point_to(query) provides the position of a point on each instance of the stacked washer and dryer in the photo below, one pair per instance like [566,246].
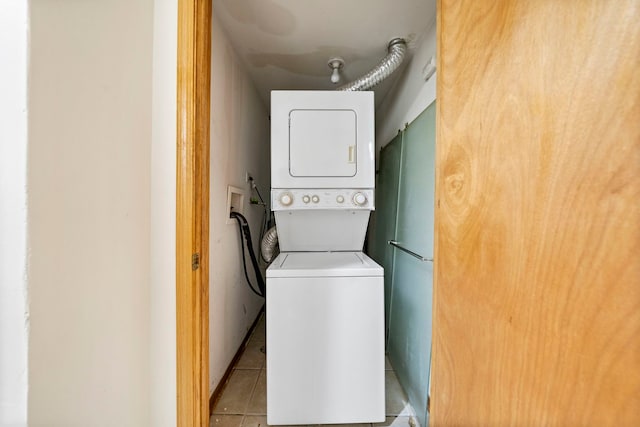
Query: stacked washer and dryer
[325,307]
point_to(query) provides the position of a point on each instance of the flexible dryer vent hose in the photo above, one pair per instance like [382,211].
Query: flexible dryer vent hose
[397,49]
[268,246]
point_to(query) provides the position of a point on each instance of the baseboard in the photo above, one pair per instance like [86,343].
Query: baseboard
[225,378]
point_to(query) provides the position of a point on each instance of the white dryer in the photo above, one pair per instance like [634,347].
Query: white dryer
[325,339]
[322,139]
[322,168]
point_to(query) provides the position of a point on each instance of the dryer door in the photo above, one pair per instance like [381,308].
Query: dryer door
[322,139]
[322,143]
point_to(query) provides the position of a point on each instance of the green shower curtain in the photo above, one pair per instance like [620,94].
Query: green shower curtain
[404,213]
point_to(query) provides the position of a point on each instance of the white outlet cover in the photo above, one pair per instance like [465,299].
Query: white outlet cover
[429,69]
[235,196]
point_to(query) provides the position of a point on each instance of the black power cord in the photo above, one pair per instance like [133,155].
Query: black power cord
[261,202]
[243,226]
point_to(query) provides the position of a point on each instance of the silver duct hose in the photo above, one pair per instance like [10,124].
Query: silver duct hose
[397,48]
[268,245]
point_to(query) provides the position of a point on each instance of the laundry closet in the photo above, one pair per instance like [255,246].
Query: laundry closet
[395,186]
[535,246]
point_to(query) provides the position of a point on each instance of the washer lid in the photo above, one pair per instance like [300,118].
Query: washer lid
[323,264]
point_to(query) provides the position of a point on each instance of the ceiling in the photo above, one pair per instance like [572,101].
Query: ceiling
[286,44]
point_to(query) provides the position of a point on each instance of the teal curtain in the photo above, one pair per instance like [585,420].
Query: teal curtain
[384,220]
[405,205]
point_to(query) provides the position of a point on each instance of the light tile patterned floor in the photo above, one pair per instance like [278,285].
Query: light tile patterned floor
[244,399]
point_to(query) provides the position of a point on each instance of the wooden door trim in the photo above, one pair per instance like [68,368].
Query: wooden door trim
[192,212]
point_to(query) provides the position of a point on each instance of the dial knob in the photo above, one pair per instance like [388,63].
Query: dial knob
[286,199]
[340,199]
[306,199]
[315,199]
[360,199]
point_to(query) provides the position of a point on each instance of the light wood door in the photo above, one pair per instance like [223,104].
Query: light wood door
[537,291]
[192,212]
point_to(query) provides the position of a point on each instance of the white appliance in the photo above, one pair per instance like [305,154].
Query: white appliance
[325,339]
[322,139]
[322,219]
[325,308]
[322,168]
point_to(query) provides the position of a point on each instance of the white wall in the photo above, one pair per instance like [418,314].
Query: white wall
[410,95]
[89,209]
[239,143]
[163,217]
[13,213]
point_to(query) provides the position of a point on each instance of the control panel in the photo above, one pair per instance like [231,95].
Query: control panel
[286,199]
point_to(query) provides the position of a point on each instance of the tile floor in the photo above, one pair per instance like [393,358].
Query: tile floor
[243,402]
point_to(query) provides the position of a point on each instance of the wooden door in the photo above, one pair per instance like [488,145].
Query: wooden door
[537,292]
[192,212]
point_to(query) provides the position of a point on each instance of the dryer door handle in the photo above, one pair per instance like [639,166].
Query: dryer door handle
[352,152]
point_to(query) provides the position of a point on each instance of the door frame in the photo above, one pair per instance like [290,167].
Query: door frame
[192,212]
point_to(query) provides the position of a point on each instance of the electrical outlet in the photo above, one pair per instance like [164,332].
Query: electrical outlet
[429,69]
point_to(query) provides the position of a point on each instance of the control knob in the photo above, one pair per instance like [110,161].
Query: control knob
[340,199]
[306,198]
[286,199]
[359,199]
[315,199]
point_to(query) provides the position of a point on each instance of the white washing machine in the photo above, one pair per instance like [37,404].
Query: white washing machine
[325,339]
[325,308]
